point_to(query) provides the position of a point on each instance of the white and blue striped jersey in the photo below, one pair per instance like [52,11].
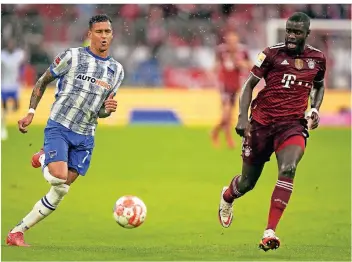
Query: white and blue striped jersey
[84,83]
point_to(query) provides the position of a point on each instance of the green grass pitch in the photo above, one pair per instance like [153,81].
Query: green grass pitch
[179,176]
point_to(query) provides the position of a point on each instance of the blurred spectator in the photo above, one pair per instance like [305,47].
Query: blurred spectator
[182,35]
[149,72]
[12,61]
[155,31]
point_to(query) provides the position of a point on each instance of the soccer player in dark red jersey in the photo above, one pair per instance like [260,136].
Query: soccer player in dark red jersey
[278,123]
[231,59]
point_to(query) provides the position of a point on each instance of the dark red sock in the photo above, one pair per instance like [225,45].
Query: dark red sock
[232,192]
[279,200]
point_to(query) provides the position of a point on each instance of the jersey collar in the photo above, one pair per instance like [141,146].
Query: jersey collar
[96,56]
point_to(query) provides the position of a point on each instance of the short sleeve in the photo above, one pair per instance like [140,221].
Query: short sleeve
[321,73]
[61,64]
[262,64]
[120,78]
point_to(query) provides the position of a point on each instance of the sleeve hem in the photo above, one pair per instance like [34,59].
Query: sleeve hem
[52,72]
[255,75]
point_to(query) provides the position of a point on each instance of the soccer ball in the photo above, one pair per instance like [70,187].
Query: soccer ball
[130,211]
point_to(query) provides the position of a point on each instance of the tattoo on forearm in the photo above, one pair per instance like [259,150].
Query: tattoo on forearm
[40,88]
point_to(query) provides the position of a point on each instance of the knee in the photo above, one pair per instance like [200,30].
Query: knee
[288,170]
[61,190]
[225,120]
[56,175]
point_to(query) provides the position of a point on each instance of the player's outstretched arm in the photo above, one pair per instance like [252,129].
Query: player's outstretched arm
[37,94]
[40,88]
[245,101]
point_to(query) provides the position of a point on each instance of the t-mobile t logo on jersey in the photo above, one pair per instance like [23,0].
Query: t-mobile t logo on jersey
[288,79]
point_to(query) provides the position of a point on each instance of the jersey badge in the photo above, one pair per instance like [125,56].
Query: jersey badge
[260,59]
[299,63]
[311,63]
[57,60]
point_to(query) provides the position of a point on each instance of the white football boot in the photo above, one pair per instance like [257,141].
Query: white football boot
[225,211]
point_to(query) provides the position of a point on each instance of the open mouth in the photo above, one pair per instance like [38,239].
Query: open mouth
[291,45]
[104,42]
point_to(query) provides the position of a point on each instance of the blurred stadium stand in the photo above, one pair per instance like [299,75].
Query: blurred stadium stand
[167,45]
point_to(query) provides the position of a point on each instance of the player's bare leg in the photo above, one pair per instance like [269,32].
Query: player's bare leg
[220,126]
[288,158]
[215,133]
[239,186]
[60,178]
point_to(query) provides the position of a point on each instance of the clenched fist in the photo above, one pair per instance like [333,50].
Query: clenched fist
[110,104]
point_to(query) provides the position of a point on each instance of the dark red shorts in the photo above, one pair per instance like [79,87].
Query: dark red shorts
[266,139]
[228,96]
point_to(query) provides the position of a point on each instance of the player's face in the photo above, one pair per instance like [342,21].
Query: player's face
[296,34]
[232,40]
[100,36]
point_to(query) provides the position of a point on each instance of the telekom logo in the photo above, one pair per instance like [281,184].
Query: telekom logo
[288,79]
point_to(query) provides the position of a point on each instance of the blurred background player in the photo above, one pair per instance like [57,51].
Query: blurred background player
[292,71]
[12,58]
[231,60]
[88,81]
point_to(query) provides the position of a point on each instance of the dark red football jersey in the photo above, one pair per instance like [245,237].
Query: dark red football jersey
[288,82]
[230,73]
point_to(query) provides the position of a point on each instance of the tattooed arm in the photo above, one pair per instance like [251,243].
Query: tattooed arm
[40,88]
[37,94]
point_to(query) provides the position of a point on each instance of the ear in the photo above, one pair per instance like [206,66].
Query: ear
[308,32]
[89,34]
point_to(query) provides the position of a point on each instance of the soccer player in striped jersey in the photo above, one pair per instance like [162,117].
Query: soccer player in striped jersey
[293,71]
[88,79]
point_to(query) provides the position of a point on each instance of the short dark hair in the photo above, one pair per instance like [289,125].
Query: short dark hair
[300,17]
[98,19]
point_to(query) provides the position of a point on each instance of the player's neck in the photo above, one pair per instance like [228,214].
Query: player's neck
[301,50]
[104,54]
[298,52]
